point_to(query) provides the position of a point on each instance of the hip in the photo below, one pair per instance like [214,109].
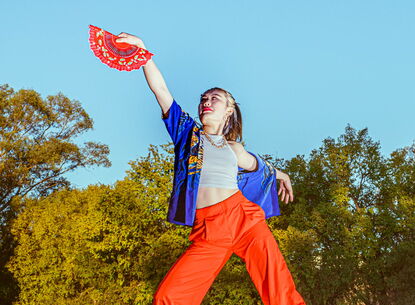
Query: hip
[226,221]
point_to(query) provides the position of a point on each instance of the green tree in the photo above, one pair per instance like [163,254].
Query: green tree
[109,245]
[36,149]
[348,238]
[352,223]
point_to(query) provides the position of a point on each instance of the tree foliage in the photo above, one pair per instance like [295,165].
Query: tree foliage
[348,238]
[349,235]
[36,150]
[36,143]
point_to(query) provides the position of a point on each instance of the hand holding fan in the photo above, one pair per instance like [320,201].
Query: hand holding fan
[118,55]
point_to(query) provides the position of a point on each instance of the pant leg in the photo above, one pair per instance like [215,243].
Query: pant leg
[191,276]
[266,267]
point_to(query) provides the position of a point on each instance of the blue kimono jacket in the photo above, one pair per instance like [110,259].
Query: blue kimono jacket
[258,186]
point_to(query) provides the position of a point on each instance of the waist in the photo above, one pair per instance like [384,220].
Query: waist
[207,196]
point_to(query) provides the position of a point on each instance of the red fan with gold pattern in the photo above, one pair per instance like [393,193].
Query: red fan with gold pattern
[118,55]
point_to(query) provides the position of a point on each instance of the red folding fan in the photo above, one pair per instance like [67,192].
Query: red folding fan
[118,55]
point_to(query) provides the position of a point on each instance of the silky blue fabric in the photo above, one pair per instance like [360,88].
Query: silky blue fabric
[258,186]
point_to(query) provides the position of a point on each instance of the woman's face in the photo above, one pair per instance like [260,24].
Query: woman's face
[212,108]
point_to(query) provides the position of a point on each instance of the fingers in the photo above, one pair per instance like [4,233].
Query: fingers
[290,194]
[121,36]
[285,197]
[282,191]
[286,191]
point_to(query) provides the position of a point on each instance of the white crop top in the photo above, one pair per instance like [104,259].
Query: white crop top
[220,165]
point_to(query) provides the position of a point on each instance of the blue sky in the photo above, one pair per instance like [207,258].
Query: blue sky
[301,70]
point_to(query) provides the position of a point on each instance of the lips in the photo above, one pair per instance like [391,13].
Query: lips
[207,109]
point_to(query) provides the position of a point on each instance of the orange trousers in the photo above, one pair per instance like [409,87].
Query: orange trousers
[234,225]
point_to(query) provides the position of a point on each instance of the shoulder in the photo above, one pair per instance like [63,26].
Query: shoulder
[245,160]
[236,145]
[238,148]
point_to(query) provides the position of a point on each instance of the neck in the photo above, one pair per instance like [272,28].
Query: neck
[212,130]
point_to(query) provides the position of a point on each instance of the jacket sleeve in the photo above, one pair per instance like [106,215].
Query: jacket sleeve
[177,121]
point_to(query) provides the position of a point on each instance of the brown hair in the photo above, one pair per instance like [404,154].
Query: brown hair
[233,126]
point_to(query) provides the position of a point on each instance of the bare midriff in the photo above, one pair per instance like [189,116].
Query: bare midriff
[207,196]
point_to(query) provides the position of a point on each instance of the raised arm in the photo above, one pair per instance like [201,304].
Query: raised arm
[152,74]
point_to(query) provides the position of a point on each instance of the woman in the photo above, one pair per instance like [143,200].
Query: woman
[225,193]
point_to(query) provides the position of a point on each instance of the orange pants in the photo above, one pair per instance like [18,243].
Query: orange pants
[234,225]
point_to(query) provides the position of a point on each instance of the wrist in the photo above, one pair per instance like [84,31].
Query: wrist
[281,176]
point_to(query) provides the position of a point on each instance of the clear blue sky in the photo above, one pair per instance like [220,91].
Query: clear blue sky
[301,70]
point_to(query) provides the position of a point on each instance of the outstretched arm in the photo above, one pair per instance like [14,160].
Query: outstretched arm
[152,74]
[249,162]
